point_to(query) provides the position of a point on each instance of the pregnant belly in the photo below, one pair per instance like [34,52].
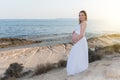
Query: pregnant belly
[74,35]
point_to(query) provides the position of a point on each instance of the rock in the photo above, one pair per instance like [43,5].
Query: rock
[108,68]
[99,70]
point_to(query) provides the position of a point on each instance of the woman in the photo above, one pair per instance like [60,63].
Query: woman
[78,57]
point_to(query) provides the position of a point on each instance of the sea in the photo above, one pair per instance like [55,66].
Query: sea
[21,28]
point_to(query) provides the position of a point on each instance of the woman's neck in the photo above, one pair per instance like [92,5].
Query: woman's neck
[83,21]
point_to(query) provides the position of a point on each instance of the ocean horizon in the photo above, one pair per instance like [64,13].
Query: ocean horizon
[20,28]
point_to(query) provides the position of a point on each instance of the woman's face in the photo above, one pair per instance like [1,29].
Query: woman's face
[82,17]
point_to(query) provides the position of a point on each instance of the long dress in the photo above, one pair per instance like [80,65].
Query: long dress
[78,56]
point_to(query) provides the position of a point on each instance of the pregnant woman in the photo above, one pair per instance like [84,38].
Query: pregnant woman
[78,57]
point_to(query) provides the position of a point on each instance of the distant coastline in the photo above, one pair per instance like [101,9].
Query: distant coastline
[12,43]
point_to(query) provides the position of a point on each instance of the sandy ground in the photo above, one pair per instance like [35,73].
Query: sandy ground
[105,69]
[32,55]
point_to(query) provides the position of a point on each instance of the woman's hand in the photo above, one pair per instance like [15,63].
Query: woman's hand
[73,32]
[74,37]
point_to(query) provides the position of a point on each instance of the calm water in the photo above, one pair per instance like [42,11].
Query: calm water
[36,27]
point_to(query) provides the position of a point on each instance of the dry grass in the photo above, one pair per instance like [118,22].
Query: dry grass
[93,56]
[15,70]
[109,50]
[43,68]
[10,78]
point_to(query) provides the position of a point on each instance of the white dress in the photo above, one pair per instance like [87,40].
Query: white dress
[78,56]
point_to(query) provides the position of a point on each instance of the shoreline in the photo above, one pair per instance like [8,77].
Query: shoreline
[16,43]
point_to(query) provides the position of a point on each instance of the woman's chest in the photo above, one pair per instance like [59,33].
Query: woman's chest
[77,29]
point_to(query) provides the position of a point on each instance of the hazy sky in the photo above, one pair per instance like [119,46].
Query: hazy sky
[42,9]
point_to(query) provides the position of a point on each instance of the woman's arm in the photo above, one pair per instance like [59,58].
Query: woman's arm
[82,32]
[73,36]
[73,32]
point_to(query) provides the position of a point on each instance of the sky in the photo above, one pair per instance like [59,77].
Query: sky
[50,9]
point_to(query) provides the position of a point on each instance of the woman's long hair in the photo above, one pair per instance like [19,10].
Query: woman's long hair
[84,12]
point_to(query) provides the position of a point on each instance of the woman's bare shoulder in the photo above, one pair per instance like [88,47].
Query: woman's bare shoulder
[84,24]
